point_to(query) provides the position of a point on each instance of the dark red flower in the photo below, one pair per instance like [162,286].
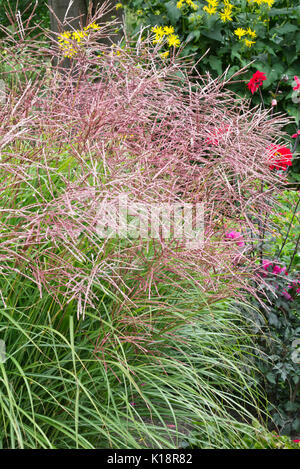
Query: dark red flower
[256,81]
[279,157]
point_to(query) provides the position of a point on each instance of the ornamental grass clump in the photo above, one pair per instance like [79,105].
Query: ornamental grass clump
[122,122]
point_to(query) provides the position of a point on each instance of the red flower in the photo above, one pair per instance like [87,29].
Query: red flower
[297,134]
[297,87]
[280,157]
[256,81]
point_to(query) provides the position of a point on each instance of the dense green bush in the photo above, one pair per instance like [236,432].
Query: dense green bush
[277,323]
[276,315]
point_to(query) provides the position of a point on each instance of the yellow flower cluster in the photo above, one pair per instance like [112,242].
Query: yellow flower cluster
[270,3]
[211,8]
[168,31]
[241,32]
[226,14]
[189,3]
[118,6]
[69,40]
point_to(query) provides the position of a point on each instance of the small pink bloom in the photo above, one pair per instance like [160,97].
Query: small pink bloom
[297,134]
[236,235]
[274,102]
[278,270]
[296,441]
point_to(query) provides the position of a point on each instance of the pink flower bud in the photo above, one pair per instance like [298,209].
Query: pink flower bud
[274,102]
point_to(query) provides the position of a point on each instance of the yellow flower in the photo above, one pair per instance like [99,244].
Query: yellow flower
[164,55]
[173,40]
[94,26]
[65,34]
[270,3]
[240,32]
[192,4]
[259,2]
[228,7]
[168,30]
[159,34]
[159,31]
[251,33]
[213,3]
[225,16]
[78,35]
[65,43]
[210,10]
[249,43]
[118,6]
[180,4]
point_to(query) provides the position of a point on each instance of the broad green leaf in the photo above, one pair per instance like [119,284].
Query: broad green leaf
[174,13]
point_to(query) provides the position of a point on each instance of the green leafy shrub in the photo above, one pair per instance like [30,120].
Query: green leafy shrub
[276,315]
[277,322]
